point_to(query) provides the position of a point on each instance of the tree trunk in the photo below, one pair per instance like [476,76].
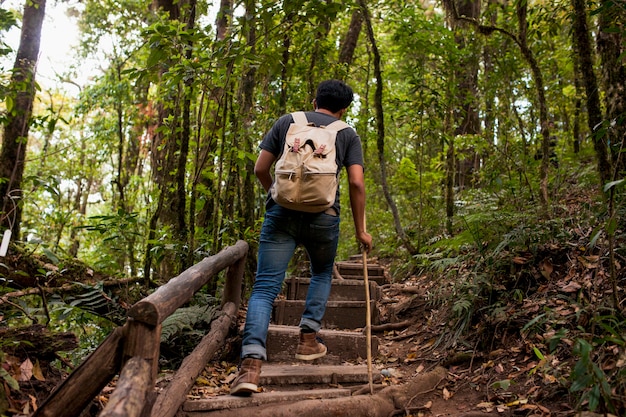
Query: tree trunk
[15,138]
[521,8]
[246,93]
[170,165]
[610,46]
[380,128]
[350,41]
[582,43]
[224,15]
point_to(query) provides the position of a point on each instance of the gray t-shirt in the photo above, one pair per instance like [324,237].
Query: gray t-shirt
[347,145]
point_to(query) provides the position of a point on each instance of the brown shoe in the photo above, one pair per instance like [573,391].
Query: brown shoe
[248,379]
[310,347]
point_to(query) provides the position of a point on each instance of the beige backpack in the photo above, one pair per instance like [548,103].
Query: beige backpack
[305,175]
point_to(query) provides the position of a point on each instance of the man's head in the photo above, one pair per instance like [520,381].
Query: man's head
[333,95]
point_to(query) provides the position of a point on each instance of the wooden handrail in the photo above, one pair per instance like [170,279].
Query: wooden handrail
[133,349]
[166,299]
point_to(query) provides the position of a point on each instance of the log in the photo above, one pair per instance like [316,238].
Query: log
[66,288]
[166,299]
[36,340]
[382,404]
[380,328]
[171,398]
[73,395]
[130,393]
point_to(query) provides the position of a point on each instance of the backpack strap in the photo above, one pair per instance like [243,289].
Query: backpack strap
[299,118]
[337,125]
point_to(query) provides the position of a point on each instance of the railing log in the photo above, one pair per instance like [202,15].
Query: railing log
[130,393]
[92,375]
[171,398]
[166,299]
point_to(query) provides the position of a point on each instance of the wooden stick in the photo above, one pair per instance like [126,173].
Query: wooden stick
[368,320]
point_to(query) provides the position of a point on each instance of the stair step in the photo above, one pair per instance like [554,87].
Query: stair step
[354,270]
[342,345]
[341,290]
[338,315]
[305,373]
[228,402]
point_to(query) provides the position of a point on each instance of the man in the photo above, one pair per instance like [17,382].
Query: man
[283,229]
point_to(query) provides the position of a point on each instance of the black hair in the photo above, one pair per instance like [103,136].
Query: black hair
[334,95]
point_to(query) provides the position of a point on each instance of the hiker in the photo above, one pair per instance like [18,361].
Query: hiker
[285,228]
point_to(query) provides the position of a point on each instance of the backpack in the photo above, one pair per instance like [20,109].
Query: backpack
[305,174]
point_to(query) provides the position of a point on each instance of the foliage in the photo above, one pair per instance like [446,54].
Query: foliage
[183,329]
[589,379]
[180,323]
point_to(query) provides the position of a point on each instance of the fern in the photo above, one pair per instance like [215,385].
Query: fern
[185,319]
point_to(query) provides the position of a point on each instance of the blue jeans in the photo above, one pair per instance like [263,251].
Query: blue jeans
[283,230]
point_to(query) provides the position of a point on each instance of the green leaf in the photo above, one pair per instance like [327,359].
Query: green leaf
[53,258]
[504,384]
[612,184]
[9,379]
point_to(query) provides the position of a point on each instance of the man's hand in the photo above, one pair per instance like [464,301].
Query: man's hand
[365,241]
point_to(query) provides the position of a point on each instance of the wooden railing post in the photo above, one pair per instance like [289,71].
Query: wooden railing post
[234,283]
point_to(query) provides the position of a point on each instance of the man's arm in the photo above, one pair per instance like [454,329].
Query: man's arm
[262,168]
[356,181]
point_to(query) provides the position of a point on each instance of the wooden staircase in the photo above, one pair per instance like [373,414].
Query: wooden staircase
[342,371]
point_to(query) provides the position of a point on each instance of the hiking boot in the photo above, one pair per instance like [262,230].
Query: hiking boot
[248,379]
[310,347]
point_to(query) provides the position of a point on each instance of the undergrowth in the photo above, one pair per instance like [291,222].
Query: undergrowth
[543,282]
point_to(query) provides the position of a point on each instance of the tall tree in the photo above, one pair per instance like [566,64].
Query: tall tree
[380,129]
[20,107]
[171,140]
[610,40]
[465,110]
[582,43]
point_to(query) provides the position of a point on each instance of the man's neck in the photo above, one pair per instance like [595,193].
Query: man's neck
[336,115]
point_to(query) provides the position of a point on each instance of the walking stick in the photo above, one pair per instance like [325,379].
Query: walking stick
[368,320]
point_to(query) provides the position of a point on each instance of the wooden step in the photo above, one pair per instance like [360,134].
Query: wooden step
[341,290]
[307,373]
[342,345]
[321,382]
[338,315]
[354,270]
[212,406]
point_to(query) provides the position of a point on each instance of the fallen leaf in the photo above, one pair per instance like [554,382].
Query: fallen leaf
[487,406]
[37,371]
[590,262]
[519,260]
[571,287]
[33,402]
[26,371]
[546,268]
[446,394]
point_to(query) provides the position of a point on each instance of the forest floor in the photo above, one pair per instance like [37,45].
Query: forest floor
[505,355]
